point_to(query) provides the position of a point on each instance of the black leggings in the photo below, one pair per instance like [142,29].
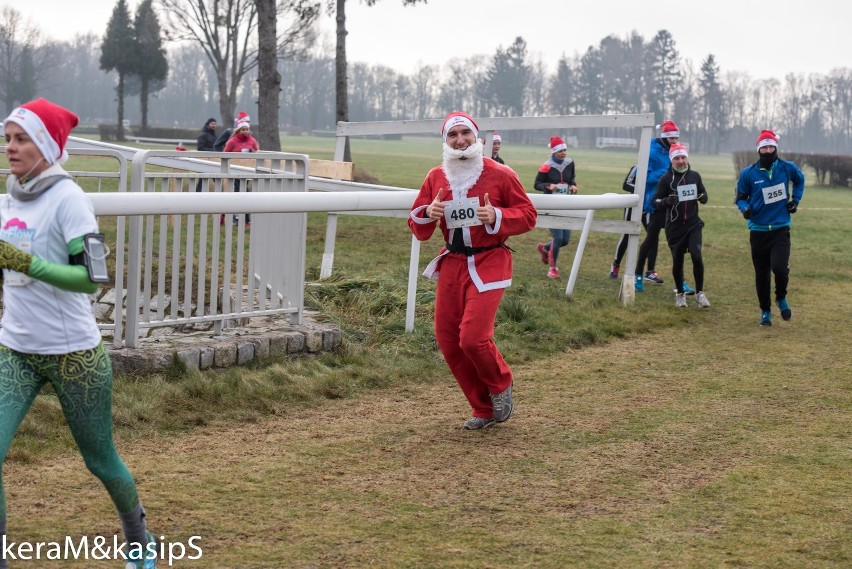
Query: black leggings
[770,254]
[621,247]
[654,223]
[680,243]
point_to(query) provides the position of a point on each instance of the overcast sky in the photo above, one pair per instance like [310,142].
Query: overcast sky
[765,38]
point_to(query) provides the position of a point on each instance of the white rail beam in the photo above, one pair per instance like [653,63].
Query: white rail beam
[163,203]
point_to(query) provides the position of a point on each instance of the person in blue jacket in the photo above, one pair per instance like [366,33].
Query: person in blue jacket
[653,219]
[765,200]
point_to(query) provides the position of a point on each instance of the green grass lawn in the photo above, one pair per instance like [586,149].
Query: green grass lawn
[646,436]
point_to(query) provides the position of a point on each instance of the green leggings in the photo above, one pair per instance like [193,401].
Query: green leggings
[83,382]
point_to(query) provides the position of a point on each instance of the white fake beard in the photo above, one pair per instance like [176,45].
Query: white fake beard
[463,167]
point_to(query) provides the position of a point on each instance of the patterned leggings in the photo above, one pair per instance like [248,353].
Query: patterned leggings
[83,382]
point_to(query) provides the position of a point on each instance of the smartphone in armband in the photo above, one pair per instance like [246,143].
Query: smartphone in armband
[95,252]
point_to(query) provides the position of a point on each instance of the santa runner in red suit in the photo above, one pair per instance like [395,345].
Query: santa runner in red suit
[477,204]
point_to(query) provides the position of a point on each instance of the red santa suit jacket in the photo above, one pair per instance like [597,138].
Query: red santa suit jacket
[491,269]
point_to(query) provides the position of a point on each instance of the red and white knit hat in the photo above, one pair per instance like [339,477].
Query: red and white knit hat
[767,138]
[678,150]
[557,144]
[669,130]
[456,118]
[48,125]
[243,120]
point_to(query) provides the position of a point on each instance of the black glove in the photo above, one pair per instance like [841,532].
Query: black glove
[747,213]
[792,206]
[673,199]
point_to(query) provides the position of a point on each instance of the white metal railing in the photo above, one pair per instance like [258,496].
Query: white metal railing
[187,268]
[396,204]
[99,179]
[611,142]
[220,268]
[487,126]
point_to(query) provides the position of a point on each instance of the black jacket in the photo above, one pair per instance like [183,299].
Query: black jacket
[554,173]
[219,145]
[206,140]
[681,213]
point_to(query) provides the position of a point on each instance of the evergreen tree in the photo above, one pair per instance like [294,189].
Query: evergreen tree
[506,79]
[713,103]
[562,92]
[150,65]
[118,52]
[664,75]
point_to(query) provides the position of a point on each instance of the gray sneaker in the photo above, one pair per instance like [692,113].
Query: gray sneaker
[680,299]
[702,300]
[502,404]
[476,423]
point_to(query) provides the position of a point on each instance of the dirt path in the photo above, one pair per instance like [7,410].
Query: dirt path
[609,445]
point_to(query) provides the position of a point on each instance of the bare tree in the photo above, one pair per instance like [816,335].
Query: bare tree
[24,58]
[340,80]
[226,31]
[268,75]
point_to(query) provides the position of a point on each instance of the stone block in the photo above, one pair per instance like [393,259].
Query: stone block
[205,357]
[225,356]
[313,341]
[245,353]
[278,345]
[261,347]
[295,342]
[331,339]
[190,358]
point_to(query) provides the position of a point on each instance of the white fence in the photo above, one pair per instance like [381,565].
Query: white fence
[184,266]
[611,142]
[555,218]
[182,262]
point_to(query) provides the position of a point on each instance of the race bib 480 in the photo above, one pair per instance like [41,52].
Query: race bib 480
[461,213]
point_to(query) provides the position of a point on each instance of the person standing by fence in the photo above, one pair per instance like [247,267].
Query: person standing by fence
[496,144]
[52,256]
[477,204]
[242,141]
[765,200]
[556,176]
[206,142]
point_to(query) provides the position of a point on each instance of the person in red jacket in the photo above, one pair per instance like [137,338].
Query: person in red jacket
[477,204]
[241,141]
[556,176]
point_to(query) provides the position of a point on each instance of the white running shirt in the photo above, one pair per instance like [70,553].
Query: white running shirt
[39,318]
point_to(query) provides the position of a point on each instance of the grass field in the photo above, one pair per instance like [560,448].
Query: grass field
[644,436]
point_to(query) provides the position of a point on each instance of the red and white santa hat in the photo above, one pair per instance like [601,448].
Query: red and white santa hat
[669,130]
[456,118]
[48,125]
[557,144]
[242,120]
[497,137]
[767,138]
[678,150]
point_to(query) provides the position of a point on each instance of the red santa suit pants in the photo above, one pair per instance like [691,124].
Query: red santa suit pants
[464,329]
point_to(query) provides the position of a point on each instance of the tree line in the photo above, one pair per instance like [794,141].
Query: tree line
[716,110]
